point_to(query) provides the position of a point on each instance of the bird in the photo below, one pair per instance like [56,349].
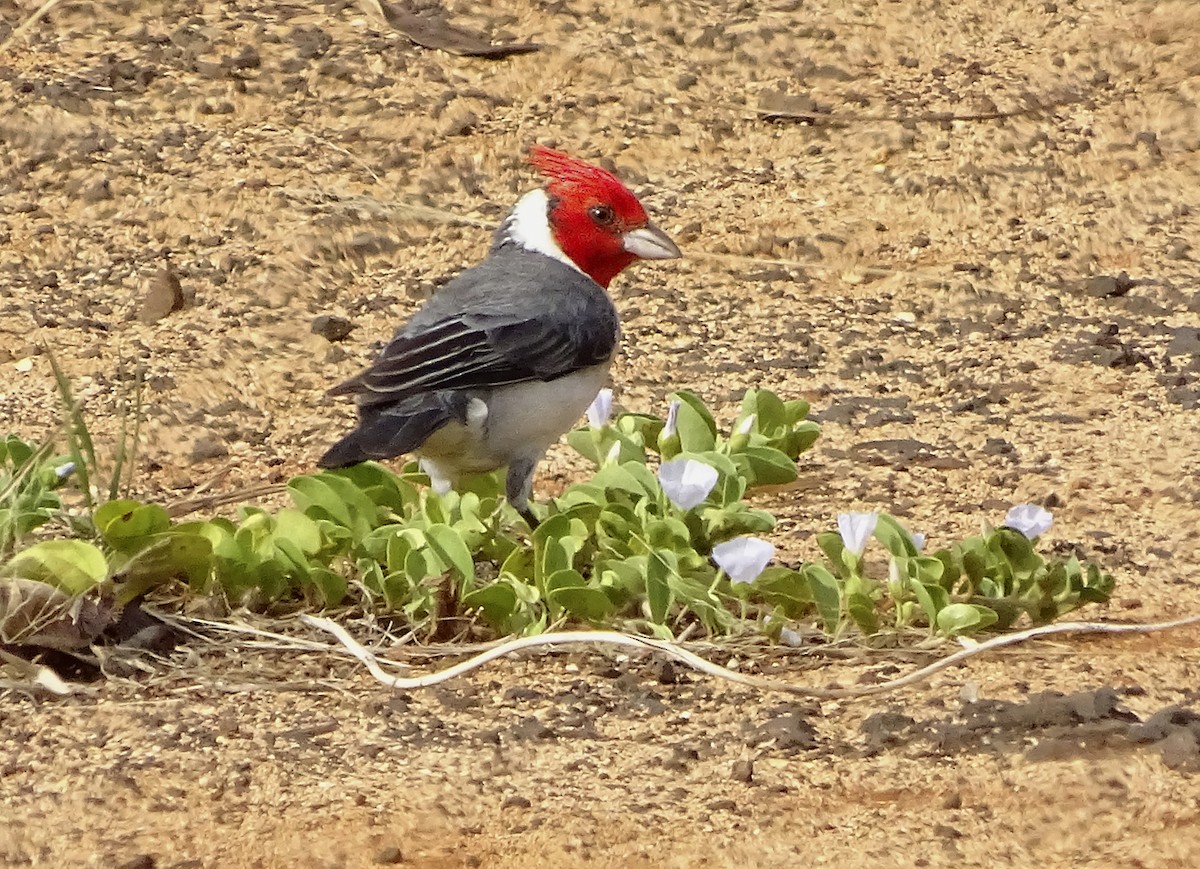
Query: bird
[504,359]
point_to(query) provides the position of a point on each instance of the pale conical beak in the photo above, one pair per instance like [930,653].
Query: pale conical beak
[650,242]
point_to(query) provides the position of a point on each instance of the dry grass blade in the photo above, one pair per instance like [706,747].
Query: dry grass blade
[39,678]
[183,508]
[30,22]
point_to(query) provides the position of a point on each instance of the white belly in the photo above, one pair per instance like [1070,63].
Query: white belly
[521,422]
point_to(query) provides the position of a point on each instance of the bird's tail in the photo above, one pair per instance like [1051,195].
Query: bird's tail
[385,432]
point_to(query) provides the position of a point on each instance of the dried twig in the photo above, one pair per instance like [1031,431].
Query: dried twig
[210,501]
[24,27]
[697,663]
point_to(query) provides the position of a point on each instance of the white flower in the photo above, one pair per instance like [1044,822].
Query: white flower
[856,529]
[791,638]
[669,430]
[746,426]
[918,540]
[600,410]
[743,558]
[687,482]
[65,470]
[614,454]
[1030,519]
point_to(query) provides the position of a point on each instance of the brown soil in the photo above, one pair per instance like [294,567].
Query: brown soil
[983,311]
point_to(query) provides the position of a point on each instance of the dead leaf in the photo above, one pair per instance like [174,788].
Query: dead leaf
[434,31]
[36,614]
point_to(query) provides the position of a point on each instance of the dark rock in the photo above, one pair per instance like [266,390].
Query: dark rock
[97,191]
[389,856]
[787,731]
[208,447]
[141,861]
[1107,286]
[163,295]
[1180,750]
[332,327]
[743,771]
[1185,342]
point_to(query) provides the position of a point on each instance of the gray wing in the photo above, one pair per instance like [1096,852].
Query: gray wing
[492,342]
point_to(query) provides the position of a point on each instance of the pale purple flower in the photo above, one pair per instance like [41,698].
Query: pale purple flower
[669,430]
[65,470]
[791,638]
[1029,519]
[746,426]
[856,529]
[600,410]
[743,558]
[918,540]
[687,482]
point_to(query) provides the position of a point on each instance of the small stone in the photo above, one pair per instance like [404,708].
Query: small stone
[208,447]
[389,856]
[1180,750]
[332,327]
[98,191]
[516,801]
[163,295]
[1107,286]
[1178,249]
[459,124]
[743,771]
[141,861]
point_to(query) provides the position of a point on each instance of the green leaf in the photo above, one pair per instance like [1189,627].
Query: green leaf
[331,587]
[832,545]
[933,598]
[957,618]
[452,550]
[826,594]
[796,410]
[297,527]
[589,604]
[695,424]
[630,477]
[497,602]
[771,411]
[765,466]
[783,588]
[895,537]
[661,565]
[862,610]
[71,565]
[124,525]
[800,438]
[1017,550]
[171,555]
[381,486]
[332,497]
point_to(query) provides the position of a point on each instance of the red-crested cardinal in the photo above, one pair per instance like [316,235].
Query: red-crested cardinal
[506,356]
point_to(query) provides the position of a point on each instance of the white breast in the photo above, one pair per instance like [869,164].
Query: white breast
[522,420]
[525,419]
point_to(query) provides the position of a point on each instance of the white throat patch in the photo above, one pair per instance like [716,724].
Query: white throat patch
[528,227]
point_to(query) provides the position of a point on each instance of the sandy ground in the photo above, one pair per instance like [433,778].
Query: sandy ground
[984,309]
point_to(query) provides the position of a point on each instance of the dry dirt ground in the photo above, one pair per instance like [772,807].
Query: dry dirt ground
[984,310]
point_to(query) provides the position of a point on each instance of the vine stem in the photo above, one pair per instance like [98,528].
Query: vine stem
[670,650]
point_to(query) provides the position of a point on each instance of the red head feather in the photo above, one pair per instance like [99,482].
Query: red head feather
[570,178]
[590,210]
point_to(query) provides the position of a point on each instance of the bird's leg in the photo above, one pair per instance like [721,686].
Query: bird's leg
[518,486]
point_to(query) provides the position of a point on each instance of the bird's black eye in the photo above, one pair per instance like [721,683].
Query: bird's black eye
[602,214]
